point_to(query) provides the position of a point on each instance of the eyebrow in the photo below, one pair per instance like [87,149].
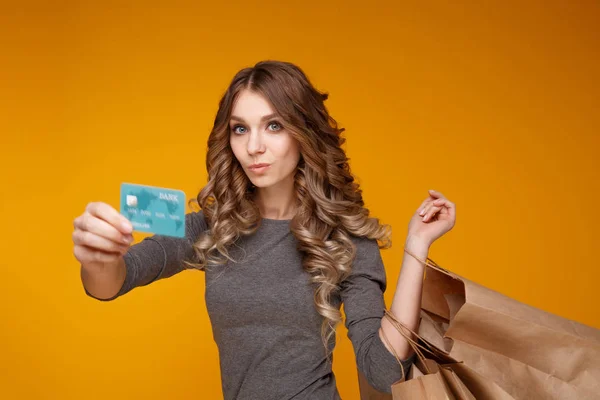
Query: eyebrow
[266,117]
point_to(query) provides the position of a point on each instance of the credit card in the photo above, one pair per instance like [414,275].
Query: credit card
[154,209]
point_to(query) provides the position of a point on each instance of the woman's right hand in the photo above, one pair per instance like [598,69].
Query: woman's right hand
[102,235]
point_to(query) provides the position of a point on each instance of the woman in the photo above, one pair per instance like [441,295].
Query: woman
[284,239]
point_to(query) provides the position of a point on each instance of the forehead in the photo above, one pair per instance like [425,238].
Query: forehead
[250,104]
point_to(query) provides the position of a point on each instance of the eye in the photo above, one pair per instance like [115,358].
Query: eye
[236,131]
[275,126]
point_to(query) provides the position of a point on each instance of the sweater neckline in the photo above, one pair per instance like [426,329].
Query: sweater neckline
[276,221]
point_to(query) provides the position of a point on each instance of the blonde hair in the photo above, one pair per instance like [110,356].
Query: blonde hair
[329,202]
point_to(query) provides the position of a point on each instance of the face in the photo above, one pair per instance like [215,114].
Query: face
[257,137]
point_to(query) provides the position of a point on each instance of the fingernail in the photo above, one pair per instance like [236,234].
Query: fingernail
[422,212]
[126,226]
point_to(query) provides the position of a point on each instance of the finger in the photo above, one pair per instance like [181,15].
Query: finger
[110,215]
[93,241]
[447,208]
[424,205]
[444,202]
[85,254]
[432,211]
[433,196]
[87,222]
[436,194]
[427,208]
[439,202]
[452,211]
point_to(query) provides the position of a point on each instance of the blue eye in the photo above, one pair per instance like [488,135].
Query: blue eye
[273,126]
[277,126]
[234,129]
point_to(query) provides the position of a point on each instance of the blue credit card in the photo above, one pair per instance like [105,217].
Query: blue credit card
[154,209]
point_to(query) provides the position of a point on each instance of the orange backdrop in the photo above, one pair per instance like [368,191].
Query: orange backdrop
[494,105]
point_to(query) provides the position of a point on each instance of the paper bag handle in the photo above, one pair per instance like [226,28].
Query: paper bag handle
[428,262]
[400,326]
[414,345]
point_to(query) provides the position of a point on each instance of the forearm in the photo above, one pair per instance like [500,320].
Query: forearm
[406,304]
[103,280]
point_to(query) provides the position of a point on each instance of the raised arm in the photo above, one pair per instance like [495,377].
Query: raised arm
[155,257]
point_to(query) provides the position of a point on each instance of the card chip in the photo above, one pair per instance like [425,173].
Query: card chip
[131,201]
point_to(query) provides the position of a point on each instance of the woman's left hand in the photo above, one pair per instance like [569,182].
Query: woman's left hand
[433,218]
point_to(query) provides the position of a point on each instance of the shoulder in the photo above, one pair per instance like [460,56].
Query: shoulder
[367,255]
[367,265]
[365,246]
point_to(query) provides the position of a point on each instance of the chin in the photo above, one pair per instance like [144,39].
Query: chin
[261,185]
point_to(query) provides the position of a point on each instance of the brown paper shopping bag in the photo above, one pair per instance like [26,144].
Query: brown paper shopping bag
[439,382]
[445,377]
[418,386]
[481,388]
[529,353]
[426,379]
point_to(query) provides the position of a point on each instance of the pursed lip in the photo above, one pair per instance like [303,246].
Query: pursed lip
[253,166]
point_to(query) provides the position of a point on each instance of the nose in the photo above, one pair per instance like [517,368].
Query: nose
[255,143]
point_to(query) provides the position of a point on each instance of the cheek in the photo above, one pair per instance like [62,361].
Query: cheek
[288,148]
[291,153]
[294,151]
[235,148]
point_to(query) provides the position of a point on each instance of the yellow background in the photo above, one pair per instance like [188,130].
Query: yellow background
[494,105]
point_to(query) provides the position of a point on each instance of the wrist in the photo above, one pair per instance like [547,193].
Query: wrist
[417,246]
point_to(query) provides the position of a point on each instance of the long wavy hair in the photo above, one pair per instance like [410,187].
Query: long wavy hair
[329,204]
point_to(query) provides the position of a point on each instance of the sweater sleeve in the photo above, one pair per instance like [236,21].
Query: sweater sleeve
[362,296]
[158,257]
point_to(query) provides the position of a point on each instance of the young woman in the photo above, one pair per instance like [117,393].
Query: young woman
[284,239]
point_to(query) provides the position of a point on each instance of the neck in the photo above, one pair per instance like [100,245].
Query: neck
[276,202]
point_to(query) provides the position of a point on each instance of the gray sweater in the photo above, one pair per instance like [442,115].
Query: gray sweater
[262,311]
